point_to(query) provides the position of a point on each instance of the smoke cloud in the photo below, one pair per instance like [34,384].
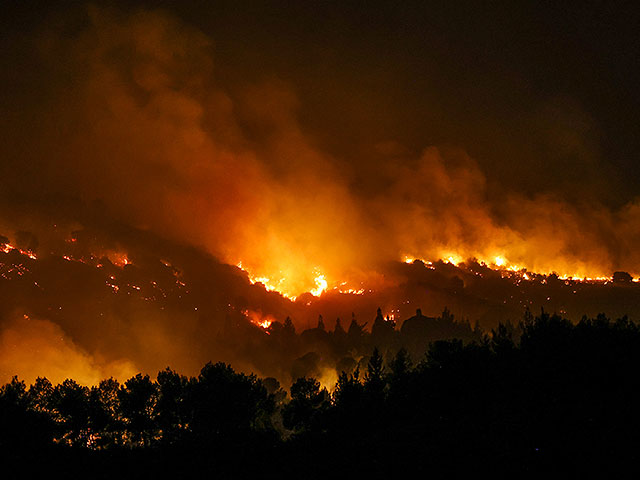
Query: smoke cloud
[142,125]
[39,348]
[126,115]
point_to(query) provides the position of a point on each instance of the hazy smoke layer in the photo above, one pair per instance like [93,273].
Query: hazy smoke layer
[39,348]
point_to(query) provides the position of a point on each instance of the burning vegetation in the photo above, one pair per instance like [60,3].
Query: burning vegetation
[113,305]
[230,167]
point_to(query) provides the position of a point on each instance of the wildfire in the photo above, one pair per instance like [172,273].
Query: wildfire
[497,261]
[7,247]
[316,282]
[349,291]
[281,285]
[258,319]
[267,283]
[453,259]
[321,286]
[500,262]
[119,259]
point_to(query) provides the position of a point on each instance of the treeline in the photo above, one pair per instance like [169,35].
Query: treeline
[286,354]
[542,395]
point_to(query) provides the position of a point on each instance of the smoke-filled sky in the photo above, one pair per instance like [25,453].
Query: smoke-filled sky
[308,142]
[308,138]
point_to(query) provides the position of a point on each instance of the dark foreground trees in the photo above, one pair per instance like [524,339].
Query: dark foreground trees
[542,396]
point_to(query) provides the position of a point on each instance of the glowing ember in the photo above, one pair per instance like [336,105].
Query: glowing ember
[258,319]
[119,259]
[7,247]
[350,291]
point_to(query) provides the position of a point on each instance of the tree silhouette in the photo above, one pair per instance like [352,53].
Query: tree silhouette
[543,394]
[382,330]
[172,413]
[374,381]
[41,395]
[71,406]
[228,406]
[355,333]
[138,397]
[20,426]
[308,404]
[105,420]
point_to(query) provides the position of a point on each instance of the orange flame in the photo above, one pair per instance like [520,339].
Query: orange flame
[7,247]
[258,319]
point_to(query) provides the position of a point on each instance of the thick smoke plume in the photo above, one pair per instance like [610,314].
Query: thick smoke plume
[134,118]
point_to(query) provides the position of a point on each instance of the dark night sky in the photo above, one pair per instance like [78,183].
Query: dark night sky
[472,74]
[487,76]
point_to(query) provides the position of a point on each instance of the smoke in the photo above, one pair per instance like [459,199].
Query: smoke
[148,132]
[128,118]
[144,127]
[39,348]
